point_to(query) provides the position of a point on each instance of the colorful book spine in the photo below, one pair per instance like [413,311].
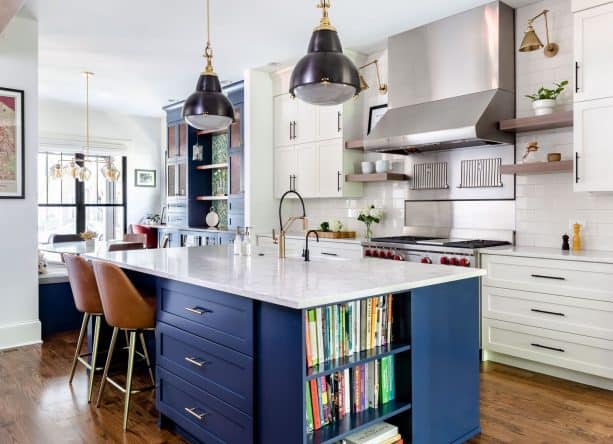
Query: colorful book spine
[392,378]
[347,390]
[309,407]
[313,337]
[324,409]
[320,338]
[315,405]
[307,340]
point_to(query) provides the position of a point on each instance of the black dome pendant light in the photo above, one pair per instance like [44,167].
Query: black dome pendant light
[208,108]
[325,76]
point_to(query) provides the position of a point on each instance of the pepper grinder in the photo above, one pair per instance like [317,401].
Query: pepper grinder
[577,237]
[565,244]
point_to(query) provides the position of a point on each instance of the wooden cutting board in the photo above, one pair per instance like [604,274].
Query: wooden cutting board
[337,234]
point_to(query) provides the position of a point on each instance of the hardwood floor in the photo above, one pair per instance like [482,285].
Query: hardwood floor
[38,406]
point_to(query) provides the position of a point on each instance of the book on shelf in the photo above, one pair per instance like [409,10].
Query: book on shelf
[380,433]
[338,331]
[351,390]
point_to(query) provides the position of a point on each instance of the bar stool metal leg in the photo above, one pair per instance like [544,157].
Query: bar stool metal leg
[109,358]
[92,370]
[79,345]
[146,354]
[128,388]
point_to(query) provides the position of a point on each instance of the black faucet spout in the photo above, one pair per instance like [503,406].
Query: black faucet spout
[306,253]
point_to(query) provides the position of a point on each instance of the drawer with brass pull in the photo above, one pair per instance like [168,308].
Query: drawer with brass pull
[200,413]
[220,317]
[221,371]
[572,315]
[575,352]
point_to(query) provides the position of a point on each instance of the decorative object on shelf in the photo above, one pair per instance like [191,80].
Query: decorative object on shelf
[197,152]
[383,166]
[83,172]
[368,167]
[576,237]
[150,219]
[530,154]
[208,108]
[145,178]
[336,225]
[554,157]
[374,115]
[212,218]
[12,134]
[42,263]
[531,41]
[544,101]
[369,216]
[325,226]
[565,244]
[325,76]
[219,183]
[381,87]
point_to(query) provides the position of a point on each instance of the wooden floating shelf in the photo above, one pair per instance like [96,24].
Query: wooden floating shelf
[377,177]
[357,145]
[206,198]
[561,119]
[214,166]
[538,168]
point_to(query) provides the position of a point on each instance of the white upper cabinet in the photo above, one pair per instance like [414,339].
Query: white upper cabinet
[286,112]
[593,144]
[594,53]
[306,170]
[593,107]
[284,170]
[330,122]
[305,124]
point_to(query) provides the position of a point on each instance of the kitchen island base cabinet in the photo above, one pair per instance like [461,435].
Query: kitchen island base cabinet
[234,370]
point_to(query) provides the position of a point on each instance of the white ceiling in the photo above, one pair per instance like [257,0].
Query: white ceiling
[145,52]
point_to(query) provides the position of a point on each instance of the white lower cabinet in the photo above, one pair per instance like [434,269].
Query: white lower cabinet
[325,248]
[553,312]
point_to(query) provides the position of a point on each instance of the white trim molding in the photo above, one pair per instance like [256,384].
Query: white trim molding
[20,334]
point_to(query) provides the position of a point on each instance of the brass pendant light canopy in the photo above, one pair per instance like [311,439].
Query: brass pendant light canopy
[532,42]
[208,108]
[325,76]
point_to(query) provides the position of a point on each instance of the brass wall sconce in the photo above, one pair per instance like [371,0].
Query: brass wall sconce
[382,87]
[531,41]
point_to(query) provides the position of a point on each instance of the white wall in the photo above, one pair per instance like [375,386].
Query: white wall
[143,136]
[546,203]
[19,323]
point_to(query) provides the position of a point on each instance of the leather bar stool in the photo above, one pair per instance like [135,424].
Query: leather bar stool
[124,309]
[87,300]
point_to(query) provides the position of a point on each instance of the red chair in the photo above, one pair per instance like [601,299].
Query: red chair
[150,232]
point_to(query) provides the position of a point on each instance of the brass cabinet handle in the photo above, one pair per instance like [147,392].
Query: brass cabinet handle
[195,361]
[198,416]
[196,310]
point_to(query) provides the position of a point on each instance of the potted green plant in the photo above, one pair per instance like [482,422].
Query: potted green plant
[369,216]
[544,100]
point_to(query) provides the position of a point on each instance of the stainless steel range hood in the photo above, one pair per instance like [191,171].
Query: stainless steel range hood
[450,83]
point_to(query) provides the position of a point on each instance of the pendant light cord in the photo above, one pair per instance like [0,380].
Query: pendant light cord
[87,74]
[208,52]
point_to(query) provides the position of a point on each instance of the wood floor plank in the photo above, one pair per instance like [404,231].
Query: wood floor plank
[38,406]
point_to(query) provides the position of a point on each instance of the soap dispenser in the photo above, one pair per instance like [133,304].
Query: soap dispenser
[246,245]
[576,237]
[238,242]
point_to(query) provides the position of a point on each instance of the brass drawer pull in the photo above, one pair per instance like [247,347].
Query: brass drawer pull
[196,361]
[198,416]
[197,310]
[555,313]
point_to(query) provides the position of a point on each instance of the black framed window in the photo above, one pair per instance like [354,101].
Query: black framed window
[68,206]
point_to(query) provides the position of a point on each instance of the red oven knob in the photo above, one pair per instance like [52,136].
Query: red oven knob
[465,262]
[426,260]
[382,254]
[398,258]
[454,261]
[444,260]
[367,253]
[390,254]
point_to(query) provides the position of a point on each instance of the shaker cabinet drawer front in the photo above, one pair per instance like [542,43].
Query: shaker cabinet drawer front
[581,316]
[569,278]
[223,372]
[221,317]
[200,413]
[580,353]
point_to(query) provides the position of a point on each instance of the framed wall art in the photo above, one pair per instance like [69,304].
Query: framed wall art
[12,146]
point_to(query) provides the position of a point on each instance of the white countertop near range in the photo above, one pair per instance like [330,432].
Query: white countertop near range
[552,253]
[290,282]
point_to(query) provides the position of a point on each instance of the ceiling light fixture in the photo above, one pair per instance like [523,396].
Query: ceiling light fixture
[208,108]
[84,173]
[531,41]
[381,87]
[325,76]
[55,172]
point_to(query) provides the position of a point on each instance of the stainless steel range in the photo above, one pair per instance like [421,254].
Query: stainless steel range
[428,250]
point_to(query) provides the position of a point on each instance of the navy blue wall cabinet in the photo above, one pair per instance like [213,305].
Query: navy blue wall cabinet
[234,370]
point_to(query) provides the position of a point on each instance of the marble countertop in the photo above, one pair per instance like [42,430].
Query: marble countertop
[552,253]
[290,282]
